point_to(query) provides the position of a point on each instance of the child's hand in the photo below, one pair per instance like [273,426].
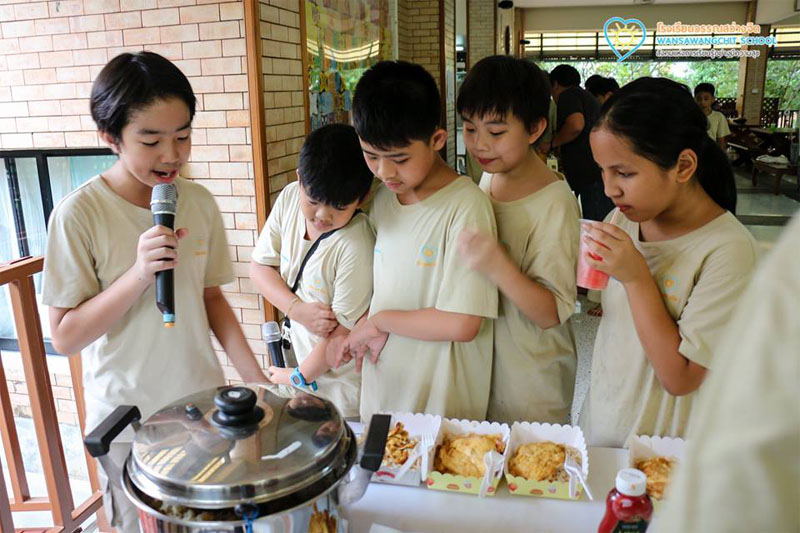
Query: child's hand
[480,251]
[366,336]
[315,316]
[157,250]
[620,258]
[280,375]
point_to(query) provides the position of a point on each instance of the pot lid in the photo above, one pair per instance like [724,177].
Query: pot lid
[231,445]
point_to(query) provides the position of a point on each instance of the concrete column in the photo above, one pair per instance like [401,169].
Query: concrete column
[481,30]
[752,76]
[426,35]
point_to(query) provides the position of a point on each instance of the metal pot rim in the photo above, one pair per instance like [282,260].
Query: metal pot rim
[133,493]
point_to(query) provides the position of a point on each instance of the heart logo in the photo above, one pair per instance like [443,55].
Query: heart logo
[623,36]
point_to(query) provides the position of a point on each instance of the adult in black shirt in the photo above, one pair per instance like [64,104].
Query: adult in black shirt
[577,112]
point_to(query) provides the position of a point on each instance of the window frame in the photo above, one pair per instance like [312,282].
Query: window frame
[41,156]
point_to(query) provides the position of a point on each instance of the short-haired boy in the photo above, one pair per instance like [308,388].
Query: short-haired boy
[103,252]
[430,327]
[336,283]
[718,130]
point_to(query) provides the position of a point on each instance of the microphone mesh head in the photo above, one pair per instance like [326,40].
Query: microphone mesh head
[164,198]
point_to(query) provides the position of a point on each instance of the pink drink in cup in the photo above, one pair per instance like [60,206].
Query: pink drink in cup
[589,277]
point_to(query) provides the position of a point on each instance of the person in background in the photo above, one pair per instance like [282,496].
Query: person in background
[577,112]
[718,128]
[606,87]
[592,83]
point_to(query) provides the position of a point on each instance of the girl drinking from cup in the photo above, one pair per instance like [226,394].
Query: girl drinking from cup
[678,260]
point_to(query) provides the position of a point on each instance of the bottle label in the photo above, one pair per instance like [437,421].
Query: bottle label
[628,527]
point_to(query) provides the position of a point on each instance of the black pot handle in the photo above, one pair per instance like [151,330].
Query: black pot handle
[376,442]
[99,440]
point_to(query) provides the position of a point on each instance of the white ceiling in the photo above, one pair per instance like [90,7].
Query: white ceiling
[588,3]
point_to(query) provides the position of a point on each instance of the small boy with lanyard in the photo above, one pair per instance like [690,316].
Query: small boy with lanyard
[315,226]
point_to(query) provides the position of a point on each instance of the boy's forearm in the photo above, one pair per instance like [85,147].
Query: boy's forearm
[229,334]
[429,324]
[534,300]
[271,285]
[82,325]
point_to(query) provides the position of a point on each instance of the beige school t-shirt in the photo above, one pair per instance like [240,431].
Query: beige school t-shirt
[92,240]
[717,125]
[701,276]
[417,266]
[339,274]
[742,466]
[533,377]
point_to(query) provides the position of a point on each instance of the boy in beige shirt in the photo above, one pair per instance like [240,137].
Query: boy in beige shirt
[718,128]
[504,104]
[103,252]
[335,285]
[429,339]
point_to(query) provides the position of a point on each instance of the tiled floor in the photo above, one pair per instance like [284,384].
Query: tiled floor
[758,204]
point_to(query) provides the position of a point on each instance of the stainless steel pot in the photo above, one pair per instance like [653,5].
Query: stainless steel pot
[240,459]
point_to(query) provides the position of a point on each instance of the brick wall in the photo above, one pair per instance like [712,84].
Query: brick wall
[752,81]
[51,51]
[481,31]
[404,31]
[420,40]
[419,33]
[283,89]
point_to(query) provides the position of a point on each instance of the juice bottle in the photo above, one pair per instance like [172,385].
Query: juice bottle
[628,507]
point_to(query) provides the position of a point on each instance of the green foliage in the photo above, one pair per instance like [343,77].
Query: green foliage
[783,76]
[724,75]
[783,81]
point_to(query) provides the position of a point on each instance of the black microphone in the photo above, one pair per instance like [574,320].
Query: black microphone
[271,333]
[163,203]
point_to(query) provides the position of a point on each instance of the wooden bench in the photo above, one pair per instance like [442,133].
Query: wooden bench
[776,169]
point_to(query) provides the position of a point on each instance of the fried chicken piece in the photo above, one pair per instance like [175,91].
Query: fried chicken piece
[462,455]
[657,470]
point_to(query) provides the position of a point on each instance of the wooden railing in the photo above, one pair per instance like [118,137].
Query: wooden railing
[67,516]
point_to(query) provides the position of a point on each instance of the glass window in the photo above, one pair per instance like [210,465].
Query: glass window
[35,181]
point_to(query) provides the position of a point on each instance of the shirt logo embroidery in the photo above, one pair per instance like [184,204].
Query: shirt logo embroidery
[317,286]
[428,256]
[200,246]
[669,286]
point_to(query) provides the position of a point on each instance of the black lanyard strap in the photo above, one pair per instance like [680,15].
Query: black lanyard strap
[308,256]
[310,252]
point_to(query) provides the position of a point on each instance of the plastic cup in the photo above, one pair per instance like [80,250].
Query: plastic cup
[589,277]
